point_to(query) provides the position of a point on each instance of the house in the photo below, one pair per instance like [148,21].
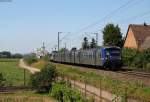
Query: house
[138,37]
[41,52]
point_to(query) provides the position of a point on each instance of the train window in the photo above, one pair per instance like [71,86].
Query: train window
[107,53]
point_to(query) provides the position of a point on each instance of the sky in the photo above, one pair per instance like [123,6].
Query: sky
[26,24]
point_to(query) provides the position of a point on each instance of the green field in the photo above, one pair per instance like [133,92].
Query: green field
[12,73]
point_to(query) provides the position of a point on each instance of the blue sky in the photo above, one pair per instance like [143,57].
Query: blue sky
[25,24]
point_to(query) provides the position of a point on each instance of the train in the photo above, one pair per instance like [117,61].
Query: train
[108,57]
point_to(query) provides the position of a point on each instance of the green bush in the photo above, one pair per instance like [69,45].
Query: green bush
[46,58]
[128,56]
[133,58]
[148,66]
[42,81]
[2,80]
[31,58]
[64,93]
[137,61]
[17,55]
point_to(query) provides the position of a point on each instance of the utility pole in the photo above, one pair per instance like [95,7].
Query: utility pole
[59,39]
[43,48]
[96,38]
[24,77]
[65,45]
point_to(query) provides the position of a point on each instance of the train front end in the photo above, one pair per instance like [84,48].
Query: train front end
[112,58]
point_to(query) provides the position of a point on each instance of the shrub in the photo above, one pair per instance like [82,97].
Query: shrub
[31,58]
[138,61]
[64,93]
[46,58]
[2,80]
[148,66]
[42,81]
[17,55]
[133,58]
[128,56]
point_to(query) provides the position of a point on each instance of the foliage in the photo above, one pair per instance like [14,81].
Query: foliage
[46,58]
[133,58]
[5,54]
[73,49]
[2,80]
[64,93]
[13,74]
[30,58]
[93,43]
[112,35]
[148,66]
[17,55]
[85,43]
[115,86]
[128,56]
[63,50]
[40,64]
[42,81]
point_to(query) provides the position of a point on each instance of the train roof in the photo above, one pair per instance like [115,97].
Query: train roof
[111,47]
[99,47]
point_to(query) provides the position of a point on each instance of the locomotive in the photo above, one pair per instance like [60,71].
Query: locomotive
[107,57]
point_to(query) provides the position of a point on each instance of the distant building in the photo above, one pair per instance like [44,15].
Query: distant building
[40,52]
[138,37]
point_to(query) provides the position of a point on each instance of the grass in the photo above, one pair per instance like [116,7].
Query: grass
[134,90]
[13,74]
[40,64]
[26,96]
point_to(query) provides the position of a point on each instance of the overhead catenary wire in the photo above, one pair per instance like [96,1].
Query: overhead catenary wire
[105,17]
[136,16]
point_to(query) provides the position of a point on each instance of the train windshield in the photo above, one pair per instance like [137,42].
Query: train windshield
[112,52]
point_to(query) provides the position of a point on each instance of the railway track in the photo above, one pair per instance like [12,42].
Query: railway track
[136,73]
[124,71]
[125,74]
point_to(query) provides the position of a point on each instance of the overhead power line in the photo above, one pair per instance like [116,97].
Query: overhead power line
[107,16]
[97,22]
[136,16]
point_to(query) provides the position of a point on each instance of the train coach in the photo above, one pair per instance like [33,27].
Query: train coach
[107,57]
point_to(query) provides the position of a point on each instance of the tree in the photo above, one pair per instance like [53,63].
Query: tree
[17,55]
[5,54]
[85,44]
[30,58]
[42,81]
[74,49]
[112,35]
[63,50]
[93,43]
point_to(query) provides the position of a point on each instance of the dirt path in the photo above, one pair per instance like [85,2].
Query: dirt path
[105,96]
[31,69]
[98,94]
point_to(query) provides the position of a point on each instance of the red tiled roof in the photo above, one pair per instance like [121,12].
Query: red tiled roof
[141,32]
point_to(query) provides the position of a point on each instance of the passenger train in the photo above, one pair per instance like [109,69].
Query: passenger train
[107,57]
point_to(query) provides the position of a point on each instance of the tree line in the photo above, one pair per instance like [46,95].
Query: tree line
[7,54]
